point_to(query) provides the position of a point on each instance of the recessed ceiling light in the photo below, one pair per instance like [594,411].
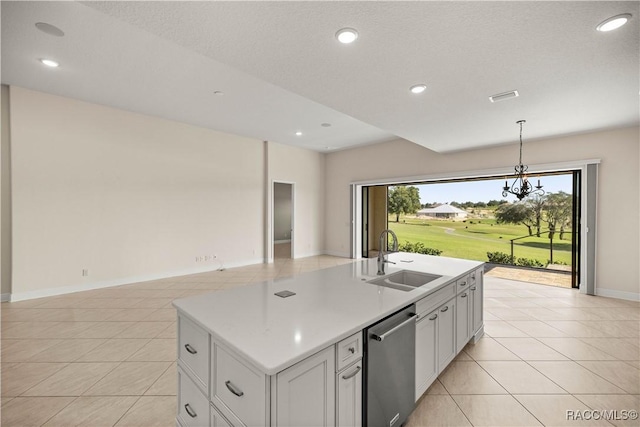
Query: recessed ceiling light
[52,30]
[49,62]
[347,35]
[614,22]
[298,133]
[325,125]
[418,88]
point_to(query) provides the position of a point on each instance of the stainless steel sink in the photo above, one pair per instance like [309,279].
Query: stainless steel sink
[404,280]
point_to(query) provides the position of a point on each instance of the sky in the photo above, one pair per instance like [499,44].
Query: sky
[483,191]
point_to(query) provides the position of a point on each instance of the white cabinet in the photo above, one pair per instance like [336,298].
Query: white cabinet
[193,351]
[463,319]
[441,333]
[426,351]
[239,387]
[349,396]
[217,420]
[305,392]
[193,406]
[477,293]
[446,334]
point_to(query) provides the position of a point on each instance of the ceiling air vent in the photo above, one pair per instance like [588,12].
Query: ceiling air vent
[503,96]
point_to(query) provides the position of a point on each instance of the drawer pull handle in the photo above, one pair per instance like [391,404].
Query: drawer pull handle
[474,288]
[463,283]
[434,317]
[352,350]
[190,349]
[190,411]
[233,389]
[463,295]
[442,310]
[351,375]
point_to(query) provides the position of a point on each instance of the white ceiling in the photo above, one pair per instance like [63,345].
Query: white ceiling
[282,70]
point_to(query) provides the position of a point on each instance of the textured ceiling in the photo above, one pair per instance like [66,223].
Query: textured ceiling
[282,70]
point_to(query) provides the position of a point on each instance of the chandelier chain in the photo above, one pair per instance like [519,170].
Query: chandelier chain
[521,187]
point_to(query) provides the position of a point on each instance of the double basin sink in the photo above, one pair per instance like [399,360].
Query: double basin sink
[404,280]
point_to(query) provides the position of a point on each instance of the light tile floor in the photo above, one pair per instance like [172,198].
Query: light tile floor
[107,357]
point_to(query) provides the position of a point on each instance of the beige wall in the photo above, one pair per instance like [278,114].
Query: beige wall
[126,196]
[131,197]
[5,196]
[377,215]
[618,198]
[305,169]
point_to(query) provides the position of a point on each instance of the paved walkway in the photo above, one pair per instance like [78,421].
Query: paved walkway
[552,278]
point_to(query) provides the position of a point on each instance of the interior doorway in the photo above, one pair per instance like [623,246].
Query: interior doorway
[283,216]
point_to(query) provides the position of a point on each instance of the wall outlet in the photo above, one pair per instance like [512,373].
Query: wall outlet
[85,272]
[207,258]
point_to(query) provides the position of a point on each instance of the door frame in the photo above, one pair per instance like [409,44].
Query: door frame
[588,197]
[270,227]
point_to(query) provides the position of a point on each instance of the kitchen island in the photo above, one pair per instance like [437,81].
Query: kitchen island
[250,357]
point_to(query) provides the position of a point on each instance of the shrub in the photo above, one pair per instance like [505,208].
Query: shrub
[418,248]
[500,258]
[557,262]
[529,262]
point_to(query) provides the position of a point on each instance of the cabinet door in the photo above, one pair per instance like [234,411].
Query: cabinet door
[217,420]
[426,352]
[476,300]
[446,334]
[306,392]
[463,326]
[349,409]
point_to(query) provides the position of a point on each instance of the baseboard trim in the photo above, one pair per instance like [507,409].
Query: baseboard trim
[338,254]
[282,241]
[49,292]
[612,293]
[5,297]
[308,254]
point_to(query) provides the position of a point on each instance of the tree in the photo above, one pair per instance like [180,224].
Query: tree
[557,212]
[537,205]
[403,200]
[515,213]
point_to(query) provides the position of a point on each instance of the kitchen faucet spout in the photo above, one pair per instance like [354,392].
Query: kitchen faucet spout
[382,254]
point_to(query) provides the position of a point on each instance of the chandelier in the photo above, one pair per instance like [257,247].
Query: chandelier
[521,187]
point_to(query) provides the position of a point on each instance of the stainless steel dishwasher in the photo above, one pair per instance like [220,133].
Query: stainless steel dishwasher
[389,369]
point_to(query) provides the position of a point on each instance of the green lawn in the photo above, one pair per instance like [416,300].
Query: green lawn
[474,238]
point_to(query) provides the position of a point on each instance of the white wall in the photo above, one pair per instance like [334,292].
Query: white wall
[618,211]
[305,169]
[126,196]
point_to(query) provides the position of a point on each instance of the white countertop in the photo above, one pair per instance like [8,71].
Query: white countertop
[273,333]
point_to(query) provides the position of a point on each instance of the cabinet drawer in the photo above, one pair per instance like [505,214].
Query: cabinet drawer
[429,303]
[462,284]
[239,387]
[349,350]
[193,406]
[193,351]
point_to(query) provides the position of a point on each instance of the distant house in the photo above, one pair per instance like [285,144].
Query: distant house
[443,211]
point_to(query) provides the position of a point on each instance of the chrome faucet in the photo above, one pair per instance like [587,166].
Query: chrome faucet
[382,254]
